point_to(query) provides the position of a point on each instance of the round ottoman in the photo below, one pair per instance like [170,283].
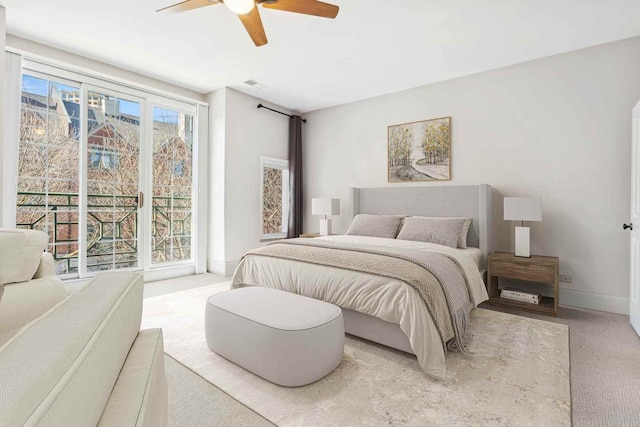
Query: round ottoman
[288,339]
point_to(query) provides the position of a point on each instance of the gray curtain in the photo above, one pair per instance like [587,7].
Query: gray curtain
[295,177]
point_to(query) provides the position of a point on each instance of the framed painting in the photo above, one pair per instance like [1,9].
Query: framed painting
[420,151]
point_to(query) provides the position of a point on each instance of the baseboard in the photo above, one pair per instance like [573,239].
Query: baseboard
[594,301]
[223,268]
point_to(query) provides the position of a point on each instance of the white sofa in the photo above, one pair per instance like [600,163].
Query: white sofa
[28,283]
[85,362]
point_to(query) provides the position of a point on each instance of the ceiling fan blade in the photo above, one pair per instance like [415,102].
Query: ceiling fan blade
[308,7]
[253,24]
[186,5]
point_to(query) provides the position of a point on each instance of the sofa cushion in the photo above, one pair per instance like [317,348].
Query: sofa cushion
[139,397]
[21,252]
[21,304]
[59,370]
[47,266]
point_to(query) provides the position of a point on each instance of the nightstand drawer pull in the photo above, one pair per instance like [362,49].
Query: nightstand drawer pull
[531,273]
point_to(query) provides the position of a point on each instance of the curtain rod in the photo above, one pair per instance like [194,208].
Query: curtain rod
[279,112]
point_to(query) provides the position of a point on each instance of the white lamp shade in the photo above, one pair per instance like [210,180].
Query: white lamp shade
[325,206]
[523,208]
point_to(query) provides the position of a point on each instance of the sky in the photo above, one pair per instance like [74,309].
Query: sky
[38,86]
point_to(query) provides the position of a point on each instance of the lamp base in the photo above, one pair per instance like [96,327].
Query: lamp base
[325,227]
[522,242]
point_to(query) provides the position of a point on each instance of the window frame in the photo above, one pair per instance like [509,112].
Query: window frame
[283,165]
[149,97]
[148,166]
[65,80]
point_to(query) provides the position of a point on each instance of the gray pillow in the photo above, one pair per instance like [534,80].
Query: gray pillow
[442,231]
[375,226]
[462,240]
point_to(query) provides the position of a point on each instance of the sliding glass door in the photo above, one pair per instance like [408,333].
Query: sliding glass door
[172,172]
[48,181]
[107,174]
[113,128]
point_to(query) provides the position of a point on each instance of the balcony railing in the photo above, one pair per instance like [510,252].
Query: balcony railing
[57,214]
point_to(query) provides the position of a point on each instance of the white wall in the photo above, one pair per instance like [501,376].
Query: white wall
[97,68]
[558,128]
[3,16]
[240,136]
[217,128]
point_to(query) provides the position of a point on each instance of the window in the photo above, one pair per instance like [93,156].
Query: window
[172,178]
[102,159]
[274,197]
[48,166]
[89,153]
[113,158]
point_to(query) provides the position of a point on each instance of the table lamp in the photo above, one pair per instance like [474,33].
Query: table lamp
[325,207]
[522,209]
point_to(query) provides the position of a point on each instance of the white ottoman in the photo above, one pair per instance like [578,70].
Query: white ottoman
[285,338]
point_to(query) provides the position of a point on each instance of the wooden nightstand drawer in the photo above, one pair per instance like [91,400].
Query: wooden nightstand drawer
[309,235]
[539,269]
[532,273]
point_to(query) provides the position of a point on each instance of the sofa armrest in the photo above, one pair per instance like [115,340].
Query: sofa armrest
[47,266]
[26,301]
[21,251]
[62,366]
[140,397]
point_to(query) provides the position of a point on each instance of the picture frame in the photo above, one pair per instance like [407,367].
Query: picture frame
[419,151]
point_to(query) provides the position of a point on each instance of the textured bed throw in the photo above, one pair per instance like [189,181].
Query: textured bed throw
[436,277]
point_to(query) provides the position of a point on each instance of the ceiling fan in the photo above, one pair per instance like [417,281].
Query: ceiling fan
[247,11]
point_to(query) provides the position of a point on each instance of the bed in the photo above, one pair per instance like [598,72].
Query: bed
[380,307]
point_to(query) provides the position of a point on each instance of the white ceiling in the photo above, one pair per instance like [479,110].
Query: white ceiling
[372,48]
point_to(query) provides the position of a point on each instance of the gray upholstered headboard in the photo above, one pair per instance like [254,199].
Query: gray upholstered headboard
[473,201]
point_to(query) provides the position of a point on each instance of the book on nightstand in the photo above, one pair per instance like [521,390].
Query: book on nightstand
[518,295]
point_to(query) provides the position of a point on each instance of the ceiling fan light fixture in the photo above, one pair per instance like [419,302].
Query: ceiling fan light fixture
[240,7]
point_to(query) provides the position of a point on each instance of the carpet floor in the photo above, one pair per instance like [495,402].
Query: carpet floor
[194,402]
[605,366]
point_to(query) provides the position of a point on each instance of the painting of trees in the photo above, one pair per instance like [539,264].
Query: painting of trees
[400,140]
[435,141]
[420,151]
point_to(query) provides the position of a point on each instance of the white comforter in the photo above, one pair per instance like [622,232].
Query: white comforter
[382,297]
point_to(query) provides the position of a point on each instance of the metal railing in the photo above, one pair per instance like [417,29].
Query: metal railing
[59,219]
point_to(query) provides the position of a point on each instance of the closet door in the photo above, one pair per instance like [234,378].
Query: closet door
[634,227]
[112,197]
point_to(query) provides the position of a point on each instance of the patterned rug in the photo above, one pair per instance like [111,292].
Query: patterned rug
[518,376]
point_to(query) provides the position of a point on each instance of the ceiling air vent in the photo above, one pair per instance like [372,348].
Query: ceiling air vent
[254,84]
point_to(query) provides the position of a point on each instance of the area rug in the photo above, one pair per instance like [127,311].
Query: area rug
[195,402]
[518,376]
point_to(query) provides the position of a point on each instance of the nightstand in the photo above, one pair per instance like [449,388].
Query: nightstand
[309,235]
[537,269]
